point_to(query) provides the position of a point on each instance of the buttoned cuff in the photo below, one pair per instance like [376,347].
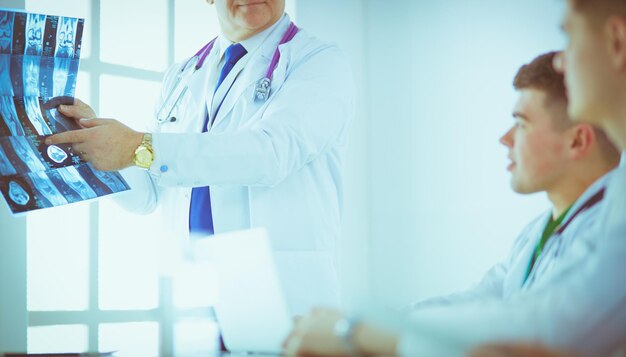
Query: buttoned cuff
[160,166]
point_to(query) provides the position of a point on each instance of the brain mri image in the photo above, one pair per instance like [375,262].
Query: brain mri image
[18,194]
[56,154]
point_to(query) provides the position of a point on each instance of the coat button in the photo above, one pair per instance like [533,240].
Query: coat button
[164,168]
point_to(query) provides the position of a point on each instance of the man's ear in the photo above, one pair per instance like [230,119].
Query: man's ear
[616,35]
[582,139]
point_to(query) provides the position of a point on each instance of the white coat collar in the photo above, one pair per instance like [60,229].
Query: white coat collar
[589,192]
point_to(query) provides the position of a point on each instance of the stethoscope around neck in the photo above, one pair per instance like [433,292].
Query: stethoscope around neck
[557,239]
[181,85]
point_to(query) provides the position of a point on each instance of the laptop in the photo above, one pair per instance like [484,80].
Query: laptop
[251,308]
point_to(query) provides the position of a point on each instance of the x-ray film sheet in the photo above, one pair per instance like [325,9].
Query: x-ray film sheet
[39,59]
[45,189]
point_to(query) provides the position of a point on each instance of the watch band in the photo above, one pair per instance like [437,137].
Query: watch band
[344,330]
[144,148]
[147,140]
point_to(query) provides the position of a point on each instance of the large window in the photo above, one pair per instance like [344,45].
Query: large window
[101,279]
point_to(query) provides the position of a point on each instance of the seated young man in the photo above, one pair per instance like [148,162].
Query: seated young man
[594,64]
[571,162]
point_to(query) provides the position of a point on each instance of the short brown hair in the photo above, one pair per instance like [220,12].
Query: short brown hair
[598,4]
[540,74]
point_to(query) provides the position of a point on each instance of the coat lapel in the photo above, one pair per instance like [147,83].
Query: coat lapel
[518,270]
[246,73]
[199,86]
[231,89]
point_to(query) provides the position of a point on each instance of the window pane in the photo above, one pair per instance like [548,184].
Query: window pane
[129,100]
[58,258]
[130,339]
[58,339]
[71,8]
[83,87]
[196,24]
[196,338]
[194,286]
[134,33]
[128,259]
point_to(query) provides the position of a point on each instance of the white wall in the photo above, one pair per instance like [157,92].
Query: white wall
[428,205]
[440,96]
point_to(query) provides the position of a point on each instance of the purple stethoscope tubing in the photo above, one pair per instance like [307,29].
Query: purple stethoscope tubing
[262,89]
[291,32]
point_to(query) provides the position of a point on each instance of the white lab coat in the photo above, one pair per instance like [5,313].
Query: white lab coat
[576,302]
[275,164]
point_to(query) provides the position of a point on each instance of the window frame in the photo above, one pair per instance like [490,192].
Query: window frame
[165,314]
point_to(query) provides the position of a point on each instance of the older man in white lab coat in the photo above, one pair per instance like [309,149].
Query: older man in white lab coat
[224,158]
[529,296]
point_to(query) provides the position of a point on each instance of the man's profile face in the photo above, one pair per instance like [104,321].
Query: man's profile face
[249,14]
[536,148]
[586,68]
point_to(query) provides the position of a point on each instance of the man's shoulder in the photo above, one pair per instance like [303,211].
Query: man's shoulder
[305,44]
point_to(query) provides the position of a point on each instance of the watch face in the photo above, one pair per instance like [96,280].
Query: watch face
[144,157]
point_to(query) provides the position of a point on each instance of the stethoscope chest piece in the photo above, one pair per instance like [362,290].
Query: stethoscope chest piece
[262,90]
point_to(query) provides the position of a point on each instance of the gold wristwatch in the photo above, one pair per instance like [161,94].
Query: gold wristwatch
[144,155]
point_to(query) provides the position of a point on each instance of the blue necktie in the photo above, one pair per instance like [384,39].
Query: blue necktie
[200,216]
[232,55]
